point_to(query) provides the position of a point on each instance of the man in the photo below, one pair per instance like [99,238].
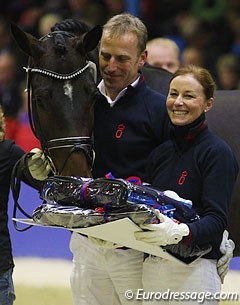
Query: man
[130,121]
[163,53]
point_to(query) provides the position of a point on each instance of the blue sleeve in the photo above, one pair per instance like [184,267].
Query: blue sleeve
[219,170]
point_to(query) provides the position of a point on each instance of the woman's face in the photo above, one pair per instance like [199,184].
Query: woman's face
[186,100]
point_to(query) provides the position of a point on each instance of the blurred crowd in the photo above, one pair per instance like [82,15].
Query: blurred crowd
[205,32]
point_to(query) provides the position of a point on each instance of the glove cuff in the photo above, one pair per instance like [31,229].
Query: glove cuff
[184,229]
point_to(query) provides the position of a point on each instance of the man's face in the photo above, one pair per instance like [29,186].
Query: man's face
[119,61]
[163,57]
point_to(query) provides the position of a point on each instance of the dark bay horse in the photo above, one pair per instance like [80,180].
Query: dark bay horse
[61,96]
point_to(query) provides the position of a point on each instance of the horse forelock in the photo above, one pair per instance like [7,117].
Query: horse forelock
[60,43]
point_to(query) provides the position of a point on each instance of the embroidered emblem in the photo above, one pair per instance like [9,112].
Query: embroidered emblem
[181,180]
[119,131]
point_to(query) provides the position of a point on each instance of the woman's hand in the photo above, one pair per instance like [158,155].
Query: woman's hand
[167,232]
[38,165]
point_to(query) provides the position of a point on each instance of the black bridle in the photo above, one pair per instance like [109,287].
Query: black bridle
[83,143]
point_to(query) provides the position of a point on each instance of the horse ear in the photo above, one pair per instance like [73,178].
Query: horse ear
[91,38]
[25,41]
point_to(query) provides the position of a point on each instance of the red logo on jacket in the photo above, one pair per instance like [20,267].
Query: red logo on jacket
[181,180]
[119,131]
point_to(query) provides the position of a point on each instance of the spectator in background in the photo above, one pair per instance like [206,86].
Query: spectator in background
[113,7]
[10,96]
[29,18]
[46,21]
[228,77]
[211,38]
[7,45]
[235,46]
[233,18]
[88,11]
[161,17]
[5,39]
[56,7]
[209,11]
[163,53]
[192,56]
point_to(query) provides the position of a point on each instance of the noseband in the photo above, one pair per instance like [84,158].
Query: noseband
[72,143]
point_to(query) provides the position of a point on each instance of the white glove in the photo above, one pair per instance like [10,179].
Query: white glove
[103,243]
[226,248]
[38,165]
[167,232]
[174,195]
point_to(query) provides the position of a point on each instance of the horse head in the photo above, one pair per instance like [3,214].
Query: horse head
[61,90]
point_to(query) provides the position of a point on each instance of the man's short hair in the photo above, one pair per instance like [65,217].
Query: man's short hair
[126,23]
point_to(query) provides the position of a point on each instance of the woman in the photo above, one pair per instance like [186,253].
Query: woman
[9,154]
[199,166]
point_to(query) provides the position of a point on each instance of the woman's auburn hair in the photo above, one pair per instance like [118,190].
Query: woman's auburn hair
[2,125]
